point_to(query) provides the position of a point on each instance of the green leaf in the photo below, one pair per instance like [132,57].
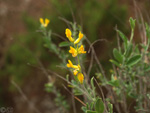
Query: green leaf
[114,83]
[118,56]
[84,108]
[114,62]
[99,106]
[134,60]
[132,22]
[110,107]
[64,44]
[137,49]
[147,30]
[129,50]
[89,111]
[124,38]
[92,105]
[92,83]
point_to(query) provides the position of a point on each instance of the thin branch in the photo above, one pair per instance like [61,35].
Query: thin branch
[73,103]
[63,38]
[91,64]
[25,97]
[73,16]
[96,58]
[65,20]
[137,11]
[75,96]
[91,45]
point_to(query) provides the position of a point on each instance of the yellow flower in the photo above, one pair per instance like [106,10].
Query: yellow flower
[68,35]
[81,50]
[47,21]
[79,38]
[77,68]
[70,65]
[80,77]
[73,51]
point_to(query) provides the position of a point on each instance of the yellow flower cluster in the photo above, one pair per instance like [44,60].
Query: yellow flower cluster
[76,70]
[68,35]
[75,51]
[44,23]
[75,67]
[72,50]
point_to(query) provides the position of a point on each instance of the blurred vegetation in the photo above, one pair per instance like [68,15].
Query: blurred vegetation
[97,19]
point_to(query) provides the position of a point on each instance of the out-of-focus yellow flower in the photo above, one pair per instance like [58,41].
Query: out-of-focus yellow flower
[75,72]
[73,51]
[81,50]
[70,65]
[80,77]
[68,35]
[79,38]
[115,77]
[44,23]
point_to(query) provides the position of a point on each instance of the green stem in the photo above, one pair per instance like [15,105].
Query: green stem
[132,34]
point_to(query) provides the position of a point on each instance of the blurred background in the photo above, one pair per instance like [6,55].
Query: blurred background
[22,83]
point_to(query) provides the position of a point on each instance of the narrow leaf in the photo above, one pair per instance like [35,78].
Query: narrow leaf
[124,38]
[114,62]
[134,60]
[129,50]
